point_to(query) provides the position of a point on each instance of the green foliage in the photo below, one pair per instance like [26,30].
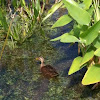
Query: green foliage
[19,23]
[63,20]
[53,9]
[79,14]
[86,17]
[66,38]
[92,75]
[97,52]
[90,34]
[75,65]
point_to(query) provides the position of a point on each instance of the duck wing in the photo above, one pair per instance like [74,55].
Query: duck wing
[48,70]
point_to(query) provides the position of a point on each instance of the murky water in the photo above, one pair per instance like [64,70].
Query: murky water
[20,76]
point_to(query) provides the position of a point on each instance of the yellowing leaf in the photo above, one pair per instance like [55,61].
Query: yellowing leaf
[92,75]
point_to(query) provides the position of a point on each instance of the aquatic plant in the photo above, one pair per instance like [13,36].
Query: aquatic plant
[85,15]
[19,19]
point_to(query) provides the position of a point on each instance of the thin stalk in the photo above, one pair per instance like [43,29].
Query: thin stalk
[6,39]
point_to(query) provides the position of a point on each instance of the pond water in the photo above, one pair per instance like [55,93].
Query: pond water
[20,76]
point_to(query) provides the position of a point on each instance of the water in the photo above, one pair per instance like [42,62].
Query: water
[20,76]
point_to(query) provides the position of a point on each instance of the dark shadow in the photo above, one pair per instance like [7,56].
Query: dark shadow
[76,78]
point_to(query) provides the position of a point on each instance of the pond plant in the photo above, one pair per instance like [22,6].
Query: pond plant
[19,19]
[85,15]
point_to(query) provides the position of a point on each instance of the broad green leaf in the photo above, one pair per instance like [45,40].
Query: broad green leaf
[92,75]
[97,52]
[75,65]
[90,11]
[89,54]
[79,14]
[90,34]
[63,20]
[96,42]
[66,38]
[55,39]
[53,9]
[87,4]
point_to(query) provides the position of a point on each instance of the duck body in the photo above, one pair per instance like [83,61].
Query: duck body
[47,70]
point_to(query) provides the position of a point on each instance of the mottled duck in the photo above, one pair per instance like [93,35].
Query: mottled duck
[47,70]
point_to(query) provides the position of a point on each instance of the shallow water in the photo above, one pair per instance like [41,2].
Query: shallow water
[20,76]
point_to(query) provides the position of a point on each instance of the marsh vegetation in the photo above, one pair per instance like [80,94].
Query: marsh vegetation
[26,33]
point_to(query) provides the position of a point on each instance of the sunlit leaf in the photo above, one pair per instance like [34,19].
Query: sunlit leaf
[92,75]
[87,4]
[66,38]
[23,2]
[75,65]
[90,34]
[97,52]
[96,42]
[63,20]
[88,55]
[53,9]
[55,39]
[90,10]
[79,14]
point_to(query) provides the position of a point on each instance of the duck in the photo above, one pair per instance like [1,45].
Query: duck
[47,70]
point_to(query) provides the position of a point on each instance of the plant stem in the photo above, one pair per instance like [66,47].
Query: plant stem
[6,39]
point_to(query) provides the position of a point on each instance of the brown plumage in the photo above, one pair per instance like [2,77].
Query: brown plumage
[47,70]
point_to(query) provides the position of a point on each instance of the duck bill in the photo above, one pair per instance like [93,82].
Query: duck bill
[37,58]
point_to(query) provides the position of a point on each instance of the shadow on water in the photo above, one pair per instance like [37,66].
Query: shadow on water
[20,76]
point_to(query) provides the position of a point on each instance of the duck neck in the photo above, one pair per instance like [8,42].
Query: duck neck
[42,64]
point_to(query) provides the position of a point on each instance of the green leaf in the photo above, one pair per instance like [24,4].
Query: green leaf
[92,75]
[66,38]
[3,20]
[90,10]
[23,2]
[87,4]
[90,34]
[56,39]
[79,14]
[96,42]
[63,20]
[97,52]
[52,10]
[88,55]
[75,65]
